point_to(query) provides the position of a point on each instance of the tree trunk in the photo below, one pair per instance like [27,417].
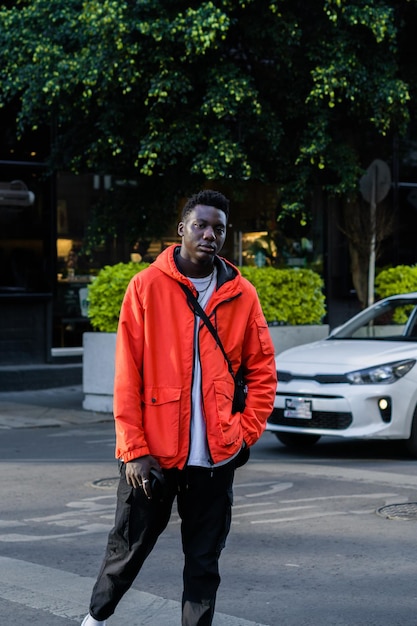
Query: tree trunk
[359,270]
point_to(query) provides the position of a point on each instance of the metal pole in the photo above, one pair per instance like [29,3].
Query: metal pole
[371,271]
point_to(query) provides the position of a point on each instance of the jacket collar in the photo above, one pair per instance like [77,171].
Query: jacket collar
[225,270]
[166,262]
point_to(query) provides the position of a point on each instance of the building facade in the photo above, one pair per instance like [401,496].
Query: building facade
[45,268]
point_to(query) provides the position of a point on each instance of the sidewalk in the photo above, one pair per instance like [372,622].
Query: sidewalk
[65,595]
[45,408]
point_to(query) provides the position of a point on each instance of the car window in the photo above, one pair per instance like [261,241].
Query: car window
[390,320]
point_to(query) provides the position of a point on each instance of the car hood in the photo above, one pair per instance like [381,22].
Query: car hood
[337,356]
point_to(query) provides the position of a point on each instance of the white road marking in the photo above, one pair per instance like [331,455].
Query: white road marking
[272,488]
[269,511]
[341,497]
[344,473]
[252,505]
[298,518]
[95,514]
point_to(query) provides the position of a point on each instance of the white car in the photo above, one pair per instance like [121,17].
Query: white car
[361,381]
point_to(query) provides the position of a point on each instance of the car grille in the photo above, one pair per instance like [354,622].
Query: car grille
[321,419]
[323,379]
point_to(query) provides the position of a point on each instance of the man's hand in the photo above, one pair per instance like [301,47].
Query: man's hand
[137,473]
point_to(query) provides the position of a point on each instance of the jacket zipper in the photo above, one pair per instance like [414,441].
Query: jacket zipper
[196,323]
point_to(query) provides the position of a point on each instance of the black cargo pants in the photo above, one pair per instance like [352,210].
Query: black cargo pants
[204,500]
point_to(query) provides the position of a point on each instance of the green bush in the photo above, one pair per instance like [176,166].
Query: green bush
[292,296]
[399,279]
[288,296]
[105,294]
[394,280]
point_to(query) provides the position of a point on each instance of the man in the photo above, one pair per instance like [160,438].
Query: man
[173,397]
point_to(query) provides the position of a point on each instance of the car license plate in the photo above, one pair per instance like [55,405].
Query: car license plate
[298,407]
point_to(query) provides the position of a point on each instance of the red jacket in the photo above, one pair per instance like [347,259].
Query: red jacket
[154,365]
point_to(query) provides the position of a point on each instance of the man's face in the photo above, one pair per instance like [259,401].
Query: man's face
[203,233]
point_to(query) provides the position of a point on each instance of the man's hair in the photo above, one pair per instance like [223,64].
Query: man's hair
[207,197]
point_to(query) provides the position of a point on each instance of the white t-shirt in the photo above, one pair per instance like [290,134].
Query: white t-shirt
[199,452]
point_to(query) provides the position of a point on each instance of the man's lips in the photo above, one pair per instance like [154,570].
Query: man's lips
[207,248]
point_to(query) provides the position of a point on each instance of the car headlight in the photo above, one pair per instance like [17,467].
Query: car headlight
[381,374]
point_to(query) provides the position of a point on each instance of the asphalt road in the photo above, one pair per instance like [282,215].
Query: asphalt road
[324,538]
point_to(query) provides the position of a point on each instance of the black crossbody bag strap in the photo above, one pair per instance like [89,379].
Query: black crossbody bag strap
[197,308]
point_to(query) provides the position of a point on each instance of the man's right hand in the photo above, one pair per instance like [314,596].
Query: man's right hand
[138,473]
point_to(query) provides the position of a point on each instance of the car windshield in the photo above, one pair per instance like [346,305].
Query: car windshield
[390,320]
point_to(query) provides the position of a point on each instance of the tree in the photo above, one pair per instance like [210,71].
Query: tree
[294,93]
[355,224]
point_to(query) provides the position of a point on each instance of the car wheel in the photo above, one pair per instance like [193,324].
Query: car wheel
[411,442]
[296,440]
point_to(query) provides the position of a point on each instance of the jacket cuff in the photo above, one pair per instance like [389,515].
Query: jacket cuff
[132,455]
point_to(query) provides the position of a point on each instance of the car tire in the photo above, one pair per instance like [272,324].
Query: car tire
[411,442]
[298,441]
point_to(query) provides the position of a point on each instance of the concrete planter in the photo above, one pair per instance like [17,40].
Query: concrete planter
[98,371]
[285,337]
[99,349]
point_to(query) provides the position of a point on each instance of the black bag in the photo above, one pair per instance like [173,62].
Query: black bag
[243,457]
[158,484]
[239,398]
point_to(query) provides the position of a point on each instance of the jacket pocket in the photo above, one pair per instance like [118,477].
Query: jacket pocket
[265,340]
[230,427]
[161,419]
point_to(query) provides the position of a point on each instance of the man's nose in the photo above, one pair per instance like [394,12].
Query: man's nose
[209,233]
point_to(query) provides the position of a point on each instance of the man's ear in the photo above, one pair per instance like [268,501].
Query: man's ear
[180,229]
